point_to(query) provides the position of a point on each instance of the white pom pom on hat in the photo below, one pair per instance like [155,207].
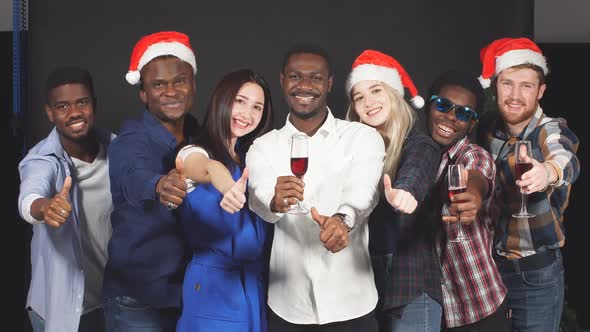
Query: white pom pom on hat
[509,52]
[157,44]
[373,65]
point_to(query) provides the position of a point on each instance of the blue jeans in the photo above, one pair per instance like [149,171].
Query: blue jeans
[421,315]
[536,297]
[89,322]
[126,314]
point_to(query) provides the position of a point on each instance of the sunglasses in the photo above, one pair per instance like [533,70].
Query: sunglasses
[463,113]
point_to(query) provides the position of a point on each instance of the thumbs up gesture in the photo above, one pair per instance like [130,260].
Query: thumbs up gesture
[399,199]
[333,232]
[57,209]
[171,188]
[235,198]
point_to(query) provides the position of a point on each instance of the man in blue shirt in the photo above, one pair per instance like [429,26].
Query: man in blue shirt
[64,194]
[147,253]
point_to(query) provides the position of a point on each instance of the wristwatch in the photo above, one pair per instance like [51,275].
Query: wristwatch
[346,220]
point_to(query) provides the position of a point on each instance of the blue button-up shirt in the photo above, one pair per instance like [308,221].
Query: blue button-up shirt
[147,254]
[56,292]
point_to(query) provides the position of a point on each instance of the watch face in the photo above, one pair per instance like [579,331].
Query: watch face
[346,220]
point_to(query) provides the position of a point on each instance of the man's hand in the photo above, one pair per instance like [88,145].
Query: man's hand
[399,199]
[234,198]
[56,211]
[536,179]
[333,234]
[172,187]
[464,206]
[288,190]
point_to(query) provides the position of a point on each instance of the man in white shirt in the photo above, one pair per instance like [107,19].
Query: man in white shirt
[320,270]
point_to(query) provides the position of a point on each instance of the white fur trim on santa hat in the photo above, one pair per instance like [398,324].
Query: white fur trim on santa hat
[519,57]
[132,77]
[370,72]
[176,49]
[485,82]
[418,102]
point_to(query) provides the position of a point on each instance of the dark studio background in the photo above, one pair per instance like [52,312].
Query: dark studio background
[426,37]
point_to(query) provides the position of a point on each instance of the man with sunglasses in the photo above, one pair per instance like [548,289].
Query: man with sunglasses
[527,250]
[473,292]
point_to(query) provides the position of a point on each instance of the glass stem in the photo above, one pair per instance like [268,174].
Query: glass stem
[523,202]
[460,234]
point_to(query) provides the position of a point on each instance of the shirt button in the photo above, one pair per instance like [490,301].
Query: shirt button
[78,310]
[198,287]
[79,296]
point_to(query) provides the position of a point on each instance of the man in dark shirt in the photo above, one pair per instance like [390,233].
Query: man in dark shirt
[147,255]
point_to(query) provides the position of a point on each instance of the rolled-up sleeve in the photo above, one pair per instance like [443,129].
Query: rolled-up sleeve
[559,147]
[360,190]
[261,183]
[38,176]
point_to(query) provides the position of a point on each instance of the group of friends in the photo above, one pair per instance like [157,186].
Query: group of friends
[172,225]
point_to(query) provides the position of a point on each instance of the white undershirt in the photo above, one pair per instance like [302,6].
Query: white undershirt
[94,216]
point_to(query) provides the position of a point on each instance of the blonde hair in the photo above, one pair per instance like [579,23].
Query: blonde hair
[394,131]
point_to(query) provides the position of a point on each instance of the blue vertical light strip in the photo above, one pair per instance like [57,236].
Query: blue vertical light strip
[18,26]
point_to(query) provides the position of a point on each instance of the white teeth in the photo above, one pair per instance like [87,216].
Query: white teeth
[77,124]
[513,105]
[304,98]
[241,123]
[371,112]
[445,129]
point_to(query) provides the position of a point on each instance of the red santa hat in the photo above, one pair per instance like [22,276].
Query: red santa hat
[157,44]
[376,66]
[509,52]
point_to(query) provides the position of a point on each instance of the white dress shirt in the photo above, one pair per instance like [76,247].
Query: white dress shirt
[308,283]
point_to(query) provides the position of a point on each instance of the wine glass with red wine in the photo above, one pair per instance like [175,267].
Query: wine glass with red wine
[457,184]
[299,159]
[523,163]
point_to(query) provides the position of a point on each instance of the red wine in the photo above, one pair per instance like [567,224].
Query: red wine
[455,191]
[521,168]
[299,166]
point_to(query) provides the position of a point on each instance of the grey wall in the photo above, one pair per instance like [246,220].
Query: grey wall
[5,15]
[562,21]
[425,36]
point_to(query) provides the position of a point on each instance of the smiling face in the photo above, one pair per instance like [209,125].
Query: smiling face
[444,128]
[70,108]
[518,92]
[247,110]
[168,88]
[371,102]
[306,81]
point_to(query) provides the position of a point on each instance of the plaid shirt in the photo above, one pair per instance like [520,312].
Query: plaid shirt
[552,141]
[472,286]
[401,245]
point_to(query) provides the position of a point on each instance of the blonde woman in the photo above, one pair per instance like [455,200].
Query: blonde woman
[400,233]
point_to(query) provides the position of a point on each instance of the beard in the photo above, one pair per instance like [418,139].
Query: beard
[514,119]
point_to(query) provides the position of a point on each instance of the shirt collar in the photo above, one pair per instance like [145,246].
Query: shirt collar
[451,153]
[500,133]
[55,147]
[157,130]
[327,127]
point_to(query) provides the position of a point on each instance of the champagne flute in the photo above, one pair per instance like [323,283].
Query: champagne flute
[457,185]
[523,157]
[299,160]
